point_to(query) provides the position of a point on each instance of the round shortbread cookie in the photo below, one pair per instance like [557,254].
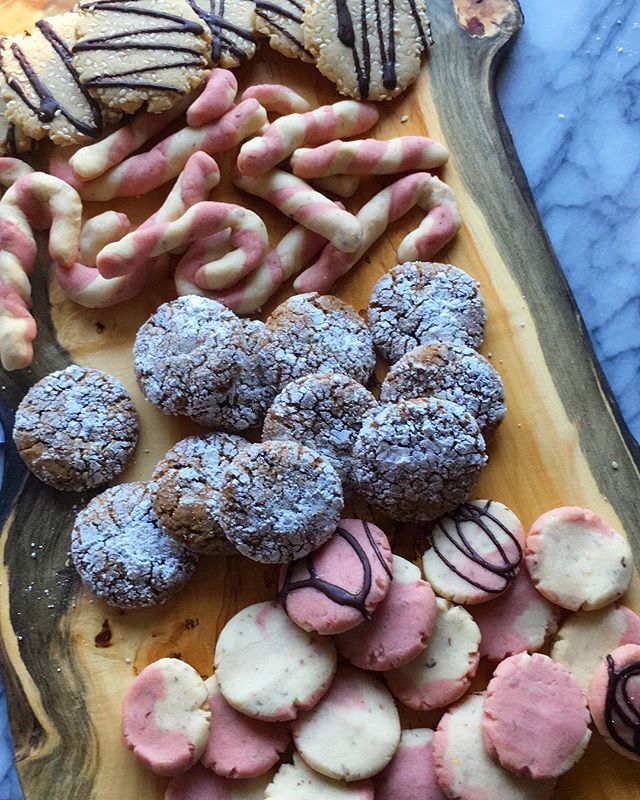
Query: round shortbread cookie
[585,638]
[13,140]
[518,621]
[298,782]
[238,746]
[466,771]
[443,671]
[419,302]
[163,718]
[202,784]
[269,668]
[281,21]
[410,775]
[342,583]
[535,719]
[474,552]
[614,700]
[400,627]
[231,25]
[354,730]
[576,560]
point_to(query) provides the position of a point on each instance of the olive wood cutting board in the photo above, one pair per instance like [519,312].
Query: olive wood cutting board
[67,658]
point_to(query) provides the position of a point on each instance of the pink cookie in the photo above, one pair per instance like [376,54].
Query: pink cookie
[614,700]
[443,671]
[400,627]
[202,784]
[341,584]
[466,771]
[238,746]
[519,621]
[164,721]
[474,552]
[411,774]
[535,719]
[576,560]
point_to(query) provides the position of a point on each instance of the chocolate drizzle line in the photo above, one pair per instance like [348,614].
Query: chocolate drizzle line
[471,513]
[620,706]
[221,28]
[271,11]
[330,590]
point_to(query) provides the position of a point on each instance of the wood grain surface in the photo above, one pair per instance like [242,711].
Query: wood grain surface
[67,658]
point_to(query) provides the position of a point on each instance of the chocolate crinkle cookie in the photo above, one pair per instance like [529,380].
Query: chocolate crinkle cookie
[76,429]
[312,333]
[452,372]
[280,501]
[418,459]
[186,490]
[121,552]
[322,411]
[419,302]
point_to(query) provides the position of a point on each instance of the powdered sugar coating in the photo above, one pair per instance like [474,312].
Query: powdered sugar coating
[187,355]
[121,552]
[449,371]
[418,459]
[418,303]
[76,429]
[319,333]
[324,412]
[280,501]
[186,490]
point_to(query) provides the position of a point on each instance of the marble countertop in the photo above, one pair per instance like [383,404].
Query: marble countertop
[570,92]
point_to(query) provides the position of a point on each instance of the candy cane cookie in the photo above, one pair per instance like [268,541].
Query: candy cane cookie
[217,97]
[296,199]
[341,185]
[439,226]
[11,169]
[345,118]
[369,157]
[277,98]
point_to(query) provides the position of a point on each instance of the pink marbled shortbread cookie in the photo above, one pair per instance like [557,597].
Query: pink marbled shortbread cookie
[238,746]
[297,781]
[410,775]
[163,719]
[442,672]
[342,583]
[202,784]
[535,718]
[400,627]
[576,560]
[519,621]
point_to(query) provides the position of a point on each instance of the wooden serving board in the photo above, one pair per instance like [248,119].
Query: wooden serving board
[67,658]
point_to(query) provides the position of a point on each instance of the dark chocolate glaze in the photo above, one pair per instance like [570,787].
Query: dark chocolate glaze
[330,590]
[468,513]
[222,29]
[270,12]
[620,707]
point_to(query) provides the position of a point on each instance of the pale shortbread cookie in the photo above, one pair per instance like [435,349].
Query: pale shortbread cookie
[164,721]
[410,775]
[281,21]
[466,771]
[42,89]
[354,730]
[576,560]
[269,668]
[443,671]
[203,784]
[231,24]
[132,52]
[585,638]
[13,140]
[298,782]
[370,50]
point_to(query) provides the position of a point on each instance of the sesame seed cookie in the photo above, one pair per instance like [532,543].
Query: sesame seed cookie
[76,428]
[280,501]
[121,552]
[419,303]
[281,21]
[452,372]
[13,140]
[322,411]
[231,24]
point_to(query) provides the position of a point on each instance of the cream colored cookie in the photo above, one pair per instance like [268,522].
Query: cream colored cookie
[281,21]
[370,50]
[42,92]
[13,140]
[231,24]
[131,52]
[298,782]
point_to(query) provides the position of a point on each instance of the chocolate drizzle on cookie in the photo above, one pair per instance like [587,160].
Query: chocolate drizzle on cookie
[278,14]
[333,592]
[480,517]
[621,707]
[222,29]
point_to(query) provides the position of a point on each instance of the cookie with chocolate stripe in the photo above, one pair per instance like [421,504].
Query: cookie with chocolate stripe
[281,21]
[231,24]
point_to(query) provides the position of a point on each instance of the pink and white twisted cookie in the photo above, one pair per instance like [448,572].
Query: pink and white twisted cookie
[11,169]
[217,97]
[369,157]
[35,200]
[439,226]
[341,185]
[288,133]
[277,98]
[310,208]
